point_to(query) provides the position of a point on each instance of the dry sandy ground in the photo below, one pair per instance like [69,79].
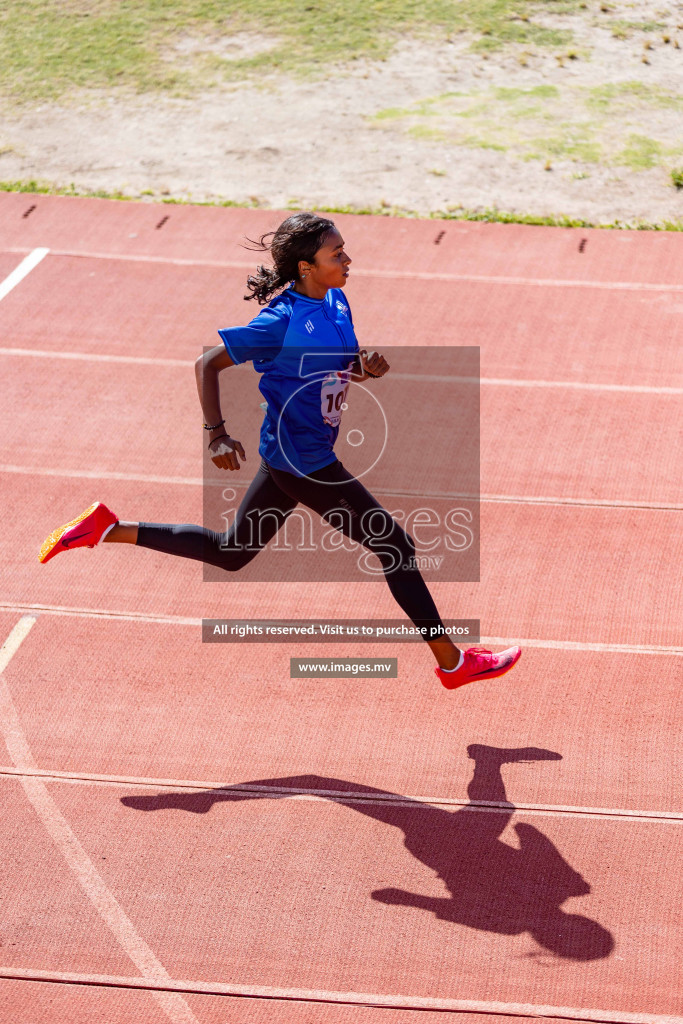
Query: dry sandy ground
[384,134]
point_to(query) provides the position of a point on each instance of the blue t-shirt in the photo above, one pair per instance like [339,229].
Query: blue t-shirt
[303,348]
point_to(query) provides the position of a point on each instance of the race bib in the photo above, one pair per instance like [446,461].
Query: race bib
[333,394]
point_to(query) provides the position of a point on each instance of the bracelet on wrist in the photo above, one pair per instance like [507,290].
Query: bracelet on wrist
[215,426]
[216,439]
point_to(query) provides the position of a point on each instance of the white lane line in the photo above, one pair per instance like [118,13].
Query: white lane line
[516,499]
[514,382]
[522,499]
[408,275]
[94,474]
[196,481]
[540,282]
[578,645]
[343,796]
[19,273]
[178,620]
[96,613]
[14,640]
[60,831]
[508,382]
[95,357]
[400,1002]
[14,736]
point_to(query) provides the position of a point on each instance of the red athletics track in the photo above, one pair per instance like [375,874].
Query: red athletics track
[190,835]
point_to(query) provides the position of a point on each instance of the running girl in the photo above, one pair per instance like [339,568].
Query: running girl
[298,434]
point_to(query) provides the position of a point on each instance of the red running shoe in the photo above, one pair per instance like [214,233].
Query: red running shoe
[479,663]
[85,531]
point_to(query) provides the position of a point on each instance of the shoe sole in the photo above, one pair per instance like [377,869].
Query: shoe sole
[48,546]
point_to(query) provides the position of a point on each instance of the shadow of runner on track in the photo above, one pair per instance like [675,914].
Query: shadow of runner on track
[494,887]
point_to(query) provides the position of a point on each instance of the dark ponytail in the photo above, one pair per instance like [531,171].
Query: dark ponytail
[298,238]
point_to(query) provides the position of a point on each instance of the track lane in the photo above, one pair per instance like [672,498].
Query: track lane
[235,859]
[624,602]
[111,702]
[46,916]
[44,1002]
[146,419]
[77,301]
[203,233]
[635,560]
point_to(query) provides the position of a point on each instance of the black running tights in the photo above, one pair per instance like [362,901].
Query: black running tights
[339,498]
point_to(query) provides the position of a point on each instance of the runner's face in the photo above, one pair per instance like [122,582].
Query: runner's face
[331,267]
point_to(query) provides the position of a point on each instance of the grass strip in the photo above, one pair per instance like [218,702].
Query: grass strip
[490,215]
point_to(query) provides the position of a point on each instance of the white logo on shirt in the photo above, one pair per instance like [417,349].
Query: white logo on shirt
[309,326]
[342,307]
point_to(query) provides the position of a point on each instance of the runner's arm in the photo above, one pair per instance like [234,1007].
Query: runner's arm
[225,452]
[260,339]
[206,368]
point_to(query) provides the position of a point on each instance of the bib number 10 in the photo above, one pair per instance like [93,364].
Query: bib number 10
[333,397]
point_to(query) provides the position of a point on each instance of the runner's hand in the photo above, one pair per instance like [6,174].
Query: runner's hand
[373,363]
[224,451]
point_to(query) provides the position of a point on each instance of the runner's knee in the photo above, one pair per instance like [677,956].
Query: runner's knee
[387,539]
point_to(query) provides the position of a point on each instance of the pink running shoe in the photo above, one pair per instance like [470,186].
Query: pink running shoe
[86,530]
[479,663]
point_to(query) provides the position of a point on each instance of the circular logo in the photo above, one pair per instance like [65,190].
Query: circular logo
[363,427]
